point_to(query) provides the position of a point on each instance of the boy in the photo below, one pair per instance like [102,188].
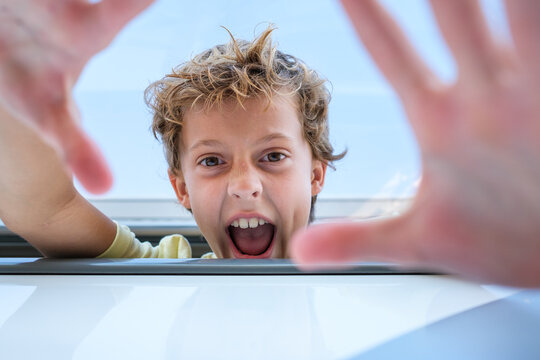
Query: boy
[246,138]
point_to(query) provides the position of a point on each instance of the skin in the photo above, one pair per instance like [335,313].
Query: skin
[477,210]
[250,161]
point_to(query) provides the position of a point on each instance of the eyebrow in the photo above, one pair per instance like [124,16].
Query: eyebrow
[274,136]
[264,139]
[207,142]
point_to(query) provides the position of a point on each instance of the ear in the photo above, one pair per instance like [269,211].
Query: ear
[179,186]
[318,172]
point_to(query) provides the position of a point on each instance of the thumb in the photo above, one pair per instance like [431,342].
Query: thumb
[86,161]
[79,151]
[392,240]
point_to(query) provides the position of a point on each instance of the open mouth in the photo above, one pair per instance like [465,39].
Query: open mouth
[251,237]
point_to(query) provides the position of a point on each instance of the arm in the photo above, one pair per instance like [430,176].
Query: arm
[40,135]
[38,200]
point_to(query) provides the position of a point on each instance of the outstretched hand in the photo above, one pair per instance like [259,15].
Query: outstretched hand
[44,45]
[477,211]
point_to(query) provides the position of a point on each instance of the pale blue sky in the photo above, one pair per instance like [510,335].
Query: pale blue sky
[365,115]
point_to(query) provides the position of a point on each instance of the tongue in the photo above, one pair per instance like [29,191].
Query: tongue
[252,241]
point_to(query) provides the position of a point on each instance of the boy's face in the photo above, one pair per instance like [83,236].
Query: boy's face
[248,175]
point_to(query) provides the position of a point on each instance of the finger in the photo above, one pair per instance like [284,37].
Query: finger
[467,34]
[80,152]
[389,48]
[524,19]
[383,240]
[113,15]
[87,162]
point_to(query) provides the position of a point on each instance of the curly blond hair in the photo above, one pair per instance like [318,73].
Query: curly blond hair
[240,70]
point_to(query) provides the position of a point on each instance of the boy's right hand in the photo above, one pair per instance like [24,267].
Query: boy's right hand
[44,45]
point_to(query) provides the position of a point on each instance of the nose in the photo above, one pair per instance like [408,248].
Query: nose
[244,182]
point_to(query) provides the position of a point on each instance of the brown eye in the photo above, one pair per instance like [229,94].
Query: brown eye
[211,161]
[273,157]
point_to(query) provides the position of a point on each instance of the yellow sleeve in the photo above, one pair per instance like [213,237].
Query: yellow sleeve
[209,255]
[126,245]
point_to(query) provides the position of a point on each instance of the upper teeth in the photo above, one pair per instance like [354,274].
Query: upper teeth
[244,223]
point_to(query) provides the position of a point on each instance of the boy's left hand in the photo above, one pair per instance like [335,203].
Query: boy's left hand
[477,211]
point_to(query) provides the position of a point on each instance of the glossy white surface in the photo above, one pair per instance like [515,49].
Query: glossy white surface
[221,317]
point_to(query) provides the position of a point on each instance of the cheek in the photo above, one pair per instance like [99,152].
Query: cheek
[294,194]
[205,203]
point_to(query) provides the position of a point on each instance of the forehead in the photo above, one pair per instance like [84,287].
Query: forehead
[235,123]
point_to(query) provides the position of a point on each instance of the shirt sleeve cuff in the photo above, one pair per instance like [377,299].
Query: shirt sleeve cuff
[122,241]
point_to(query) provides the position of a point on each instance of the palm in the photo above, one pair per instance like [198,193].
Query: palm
[43,46]
[477,194]
[476,211]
